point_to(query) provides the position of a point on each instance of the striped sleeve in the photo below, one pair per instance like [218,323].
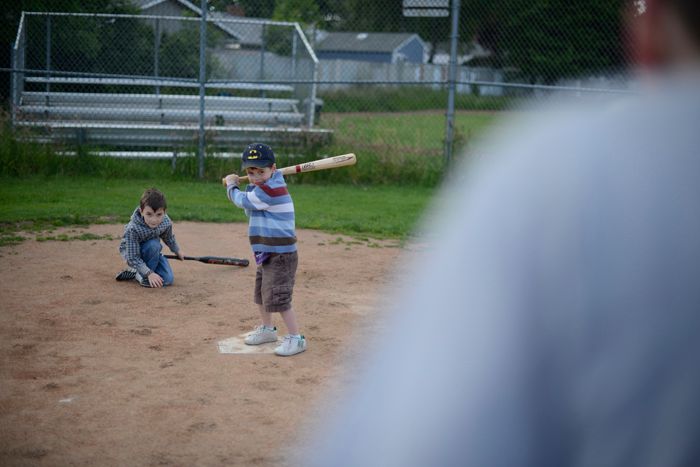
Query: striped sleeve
[263,198]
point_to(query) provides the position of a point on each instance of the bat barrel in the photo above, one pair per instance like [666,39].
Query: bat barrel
[312,166]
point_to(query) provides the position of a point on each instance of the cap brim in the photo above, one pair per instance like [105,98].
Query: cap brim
[259,165]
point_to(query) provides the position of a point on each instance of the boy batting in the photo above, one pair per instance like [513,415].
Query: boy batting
[272,235]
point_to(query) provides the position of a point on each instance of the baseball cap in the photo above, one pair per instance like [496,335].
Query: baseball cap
[257,155]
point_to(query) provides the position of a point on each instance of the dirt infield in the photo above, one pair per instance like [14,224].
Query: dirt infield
[99,372]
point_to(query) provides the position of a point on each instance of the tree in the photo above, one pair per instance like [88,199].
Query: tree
[433,30]
[278,38]
[547,40]
[179,52]
[252,8]
[12,11]
[544,40]
[372,15]
[305,12]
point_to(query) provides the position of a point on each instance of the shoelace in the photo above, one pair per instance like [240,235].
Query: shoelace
[288,340]
[287,343]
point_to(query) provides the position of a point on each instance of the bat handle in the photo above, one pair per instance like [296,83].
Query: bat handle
[177,257]
[243,179]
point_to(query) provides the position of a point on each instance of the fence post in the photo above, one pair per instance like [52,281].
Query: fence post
[262,59]
[294,54]
[48,57]
[202,79]
[312,97]
[13,85]
[18,58]
[449,130]
[156,54]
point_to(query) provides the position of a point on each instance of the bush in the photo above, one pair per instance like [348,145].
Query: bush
[19,158]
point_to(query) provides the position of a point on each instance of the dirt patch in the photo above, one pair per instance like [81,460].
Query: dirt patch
[99,372]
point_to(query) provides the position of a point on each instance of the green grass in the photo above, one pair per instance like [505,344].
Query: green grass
[405,99]
[392,149]
[41,204]
[402,135]
[377,211]
[67,238]
[399,166]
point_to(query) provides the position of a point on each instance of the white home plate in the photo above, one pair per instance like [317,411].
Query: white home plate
[236,345]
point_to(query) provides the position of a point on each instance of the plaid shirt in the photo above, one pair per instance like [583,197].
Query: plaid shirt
[137,232]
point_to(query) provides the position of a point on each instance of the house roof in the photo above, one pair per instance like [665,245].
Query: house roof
[248,31]
[364,41]
[144,4]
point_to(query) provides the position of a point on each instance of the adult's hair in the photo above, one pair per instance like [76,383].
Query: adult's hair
[153,198]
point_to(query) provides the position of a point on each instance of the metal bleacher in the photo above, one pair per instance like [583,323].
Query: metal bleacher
[135,114]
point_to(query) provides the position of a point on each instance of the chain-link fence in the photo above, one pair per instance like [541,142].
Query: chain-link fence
[144,81]
[168,79]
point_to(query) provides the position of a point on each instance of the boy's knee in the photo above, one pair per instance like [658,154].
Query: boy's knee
[167,279]
[151,247]
[166,273]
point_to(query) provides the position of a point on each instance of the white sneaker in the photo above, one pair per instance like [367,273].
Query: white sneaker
[261,335]
[291,346]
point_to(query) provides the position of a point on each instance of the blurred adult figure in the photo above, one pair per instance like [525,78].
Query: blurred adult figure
[555,319]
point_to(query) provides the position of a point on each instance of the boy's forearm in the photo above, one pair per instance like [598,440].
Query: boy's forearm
[174,247]
[239,198]
[169,239]
[235,195]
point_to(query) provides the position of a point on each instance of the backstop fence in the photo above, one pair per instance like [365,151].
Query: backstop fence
[147,81]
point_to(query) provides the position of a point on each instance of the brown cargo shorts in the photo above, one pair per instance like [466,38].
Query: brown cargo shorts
[274,282]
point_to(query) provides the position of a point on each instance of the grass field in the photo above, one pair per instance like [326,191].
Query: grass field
[42,203]
[392,148]
[420,133]
[400,165]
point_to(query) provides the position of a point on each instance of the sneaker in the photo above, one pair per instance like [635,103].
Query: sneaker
[143,281]
[291,346]
[127,274]
[261,335]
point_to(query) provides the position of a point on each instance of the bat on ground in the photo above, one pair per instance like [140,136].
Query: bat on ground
[214,260]
[312,166]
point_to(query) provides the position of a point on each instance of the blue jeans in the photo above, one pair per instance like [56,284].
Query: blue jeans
[150,254]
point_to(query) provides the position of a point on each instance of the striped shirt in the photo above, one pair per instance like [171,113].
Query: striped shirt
[137,232]
[271,214]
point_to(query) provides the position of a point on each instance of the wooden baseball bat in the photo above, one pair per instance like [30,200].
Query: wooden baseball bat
[214,260]
[321,164]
